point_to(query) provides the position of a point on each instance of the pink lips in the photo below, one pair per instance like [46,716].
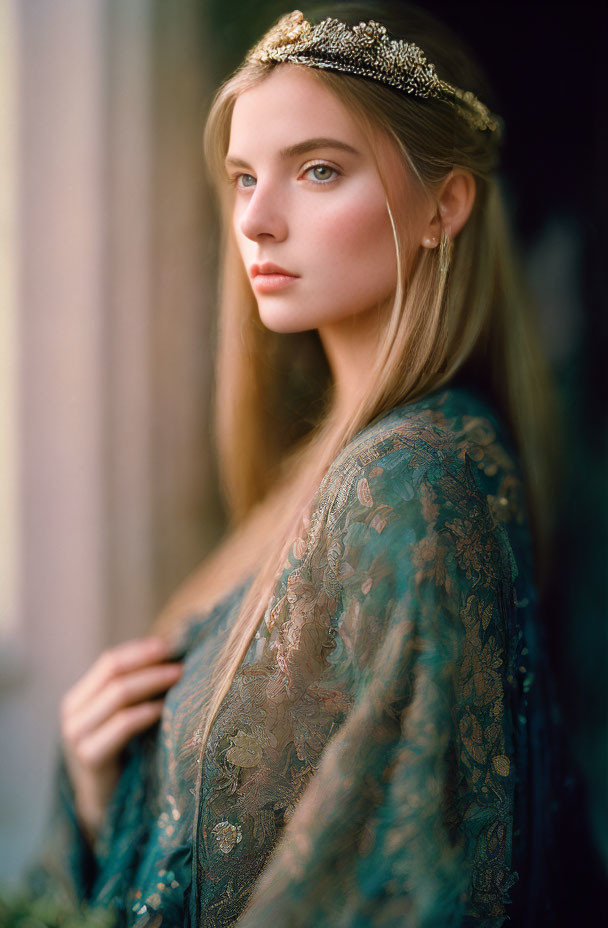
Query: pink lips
[269,268]
[268,277]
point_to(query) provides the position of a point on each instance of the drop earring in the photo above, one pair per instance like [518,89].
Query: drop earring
[446,246]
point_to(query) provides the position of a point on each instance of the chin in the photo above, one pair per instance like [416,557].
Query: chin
[283,321]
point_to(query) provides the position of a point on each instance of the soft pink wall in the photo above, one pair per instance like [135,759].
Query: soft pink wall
[117,496]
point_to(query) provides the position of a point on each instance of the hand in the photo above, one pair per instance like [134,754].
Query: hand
[102,712]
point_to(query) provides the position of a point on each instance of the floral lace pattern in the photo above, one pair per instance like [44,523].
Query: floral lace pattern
[364,768]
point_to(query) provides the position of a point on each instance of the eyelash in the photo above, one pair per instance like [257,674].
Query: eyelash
[234,180]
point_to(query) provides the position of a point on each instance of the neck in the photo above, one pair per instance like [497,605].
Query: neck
[351,347]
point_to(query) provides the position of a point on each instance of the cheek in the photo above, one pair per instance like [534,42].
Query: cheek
[358,240]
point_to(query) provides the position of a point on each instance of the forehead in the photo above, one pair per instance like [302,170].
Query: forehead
[289,105]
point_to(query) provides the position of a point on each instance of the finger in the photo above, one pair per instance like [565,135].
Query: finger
[126,690]
[130,655]
[105,742]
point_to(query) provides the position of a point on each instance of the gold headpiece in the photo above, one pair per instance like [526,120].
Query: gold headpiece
[367,51]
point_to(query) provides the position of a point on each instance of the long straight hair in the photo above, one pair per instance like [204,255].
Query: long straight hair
[461,311]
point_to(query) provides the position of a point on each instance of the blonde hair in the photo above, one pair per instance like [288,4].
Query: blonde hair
[461,309]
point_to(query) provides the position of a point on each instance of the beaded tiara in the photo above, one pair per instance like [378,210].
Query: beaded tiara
[367,51]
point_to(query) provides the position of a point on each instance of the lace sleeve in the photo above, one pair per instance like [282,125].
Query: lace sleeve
[76,875]
[65,867]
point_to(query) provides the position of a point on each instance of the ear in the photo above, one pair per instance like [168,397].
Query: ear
[454,203]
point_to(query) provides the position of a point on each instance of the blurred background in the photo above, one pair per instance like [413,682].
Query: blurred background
[108,492]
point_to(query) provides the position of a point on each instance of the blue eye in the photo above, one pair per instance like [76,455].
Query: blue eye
[242,180]
[322,172]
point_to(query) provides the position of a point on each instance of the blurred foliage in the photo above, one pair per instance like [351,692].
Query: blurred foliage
[20,909]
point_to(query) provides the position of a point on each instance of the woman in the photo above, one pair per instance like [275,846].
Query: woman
[353,732]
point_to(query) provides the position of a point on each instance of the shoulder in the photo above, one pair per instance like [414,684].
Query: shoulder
[450,444]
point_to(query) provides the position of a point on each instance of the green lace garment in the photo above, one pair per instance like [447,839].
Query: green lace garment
[370,763]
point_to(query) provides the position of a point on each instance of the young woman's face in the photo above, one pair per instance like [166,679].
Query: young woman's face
[310,213]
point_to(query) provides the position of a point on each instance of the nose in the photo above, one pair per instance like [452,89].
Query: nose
[264,215]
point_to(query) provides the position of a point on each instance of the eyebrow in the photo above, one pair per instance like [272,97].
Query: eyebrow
[300,149]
